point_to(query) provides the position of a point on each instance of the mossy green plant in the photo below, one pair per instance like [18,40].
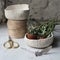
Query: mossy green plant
[42,30]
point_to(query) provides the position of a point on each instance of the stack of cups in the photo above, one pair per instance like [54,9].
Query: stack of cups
[17,18]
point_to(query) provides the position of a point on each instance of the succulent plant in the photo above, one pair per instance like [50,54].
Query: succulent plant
[32,25]
[32,30]
[42,30]
[46,28]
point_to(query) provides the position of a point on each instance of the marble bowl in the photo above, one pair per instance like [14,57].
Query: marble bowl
[40,43]
[17,12]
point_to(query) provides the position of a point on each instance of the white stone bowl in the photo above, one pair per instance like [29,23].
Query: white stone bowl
[17,12]
[40,43]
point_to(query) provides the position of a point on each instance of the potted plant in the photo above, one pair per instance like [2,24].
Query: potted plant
[32,32]
[40,36]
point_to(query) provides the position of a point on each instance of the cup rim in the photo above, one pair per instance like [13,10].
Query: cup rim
[12,7]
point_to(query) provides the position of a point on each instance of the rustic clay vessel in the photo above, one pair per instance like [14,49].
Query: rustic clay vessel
[17,12]
[40,43]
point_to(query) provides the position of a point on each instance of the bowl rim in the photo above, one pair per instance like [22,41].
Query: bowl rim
[40,39]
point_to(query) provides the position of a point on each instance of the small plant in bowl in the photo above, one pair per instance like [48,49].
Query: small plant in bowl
[40,36]
[32,32]
[45,30]
[40,31]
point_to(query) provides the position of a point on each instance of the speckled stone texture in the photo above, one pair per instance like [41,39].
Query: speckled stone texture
[2,18]
[45,9]
[9,2]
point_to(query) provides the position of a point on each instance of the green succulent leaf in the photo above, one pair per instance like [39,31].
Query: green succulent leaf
[42,29]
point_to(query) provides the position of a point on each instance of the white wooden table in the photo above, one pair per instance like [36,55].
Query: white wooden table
[20,54]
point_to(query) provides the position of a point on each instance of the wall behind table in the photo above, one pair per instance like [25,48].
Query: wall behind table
[45,9]
[2,6]
[9,2]
[39,9]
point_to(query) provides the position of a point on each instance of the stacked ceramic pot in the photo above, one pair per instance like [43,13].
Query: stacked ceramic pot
[17,17]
